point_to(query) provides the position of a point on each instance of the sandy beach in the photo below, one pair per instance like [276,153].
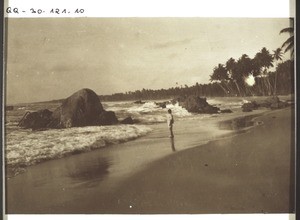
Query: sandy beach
[241,174]
[90,106]
[245,171]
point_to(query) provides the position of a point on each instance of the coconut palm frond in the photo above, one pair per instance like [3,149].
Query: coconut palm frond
[290,47]
[287,30]
[277,54]
[288,42]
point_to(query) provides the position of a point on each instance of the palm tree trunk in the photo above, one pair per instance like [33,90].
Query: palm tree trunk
[230,88]
[275,84]
[225,91]
[261,85]
[238,88]
[270,92]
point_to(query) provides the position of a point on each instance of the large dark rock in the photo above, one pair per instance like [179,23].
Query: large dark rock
[107,118]
[80,109]
[36,120]
[83,108]
[196,104]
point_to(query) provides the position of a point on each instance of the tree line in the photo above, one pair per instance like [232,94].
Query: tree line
[248,77]
[227,80]
[265,74]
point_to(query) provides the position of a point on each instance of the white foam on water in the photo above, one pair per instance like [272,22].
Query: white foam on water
[144,108]
[24,147]
[148,112]
[226,103]
[117,106]
[178,111]
[245,101]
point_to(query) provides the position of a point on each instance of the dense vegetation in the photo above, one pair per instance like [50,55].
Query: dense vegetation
[278,82]
[265,74]
[247,77]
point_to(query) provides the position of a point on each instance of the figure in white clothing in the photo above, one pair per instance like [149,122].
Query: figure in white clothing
[170,122]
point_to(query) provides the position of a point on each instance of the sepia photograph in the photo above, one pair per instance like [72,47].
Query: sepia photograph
[149,115]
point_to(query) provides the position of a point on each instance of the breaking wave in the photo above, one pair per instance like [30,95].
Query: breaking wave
[25,147]
[40,146]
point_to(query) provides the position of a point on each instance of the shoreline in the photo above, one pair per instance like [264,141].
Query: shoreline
[84,182]
[12,171]
[223,187]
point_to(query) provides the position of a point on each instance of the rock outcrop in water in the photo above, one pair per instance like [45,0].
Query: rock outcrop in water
[9,108]
[127,121]
[161,104]
[139,102]
[36,120]
[80,109]
[195,104]
[270,102]
[107,118]
[83,108]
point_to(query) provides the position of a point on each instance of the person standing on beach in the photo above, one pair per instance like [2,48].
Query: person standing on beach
[170,122]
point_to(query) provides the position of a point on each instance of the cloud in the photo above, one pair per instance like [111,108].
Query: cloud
[169,44]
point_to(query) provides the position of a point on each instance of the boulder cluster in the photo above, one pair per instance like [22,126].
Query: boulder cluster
[270,102]
[83,108]
[196,104]
[191,103]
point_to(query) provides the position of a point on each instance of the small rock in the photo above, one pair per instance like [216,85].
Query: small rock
[128,121]
[9,108]
[161,104]
[250,106]
[139,102]
[226,111]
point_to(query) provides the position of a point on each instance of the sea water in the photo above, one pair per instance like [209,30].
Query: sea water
[24,147]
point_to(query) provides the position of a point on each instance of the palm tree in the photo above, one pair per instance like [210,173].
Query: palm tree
[289,43]
[266,59]
[262,61]
[230,67]
[220,75]
[277,56]
[244,68]
[285,72]
[267,62]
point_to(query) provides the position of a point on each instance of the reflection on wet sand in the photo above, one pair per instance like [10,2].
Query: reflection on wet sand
[173,144]
[90,173]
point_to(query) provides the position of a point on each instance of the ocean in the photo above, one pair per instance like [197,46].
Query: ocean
[25,147]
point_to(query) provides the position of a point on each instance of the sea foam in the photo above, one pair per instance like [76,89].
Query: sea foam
[24,147]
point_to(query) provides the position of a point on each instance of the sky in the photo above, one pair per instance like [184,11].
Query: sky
[51,58]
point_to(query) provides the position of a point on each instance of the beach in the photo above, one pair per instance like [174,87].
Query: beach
[240,174]
[248,170]
[90,106]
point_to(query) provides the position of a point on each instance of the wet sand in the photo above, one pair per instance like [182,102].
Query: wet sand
[242,173]
[248,173]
